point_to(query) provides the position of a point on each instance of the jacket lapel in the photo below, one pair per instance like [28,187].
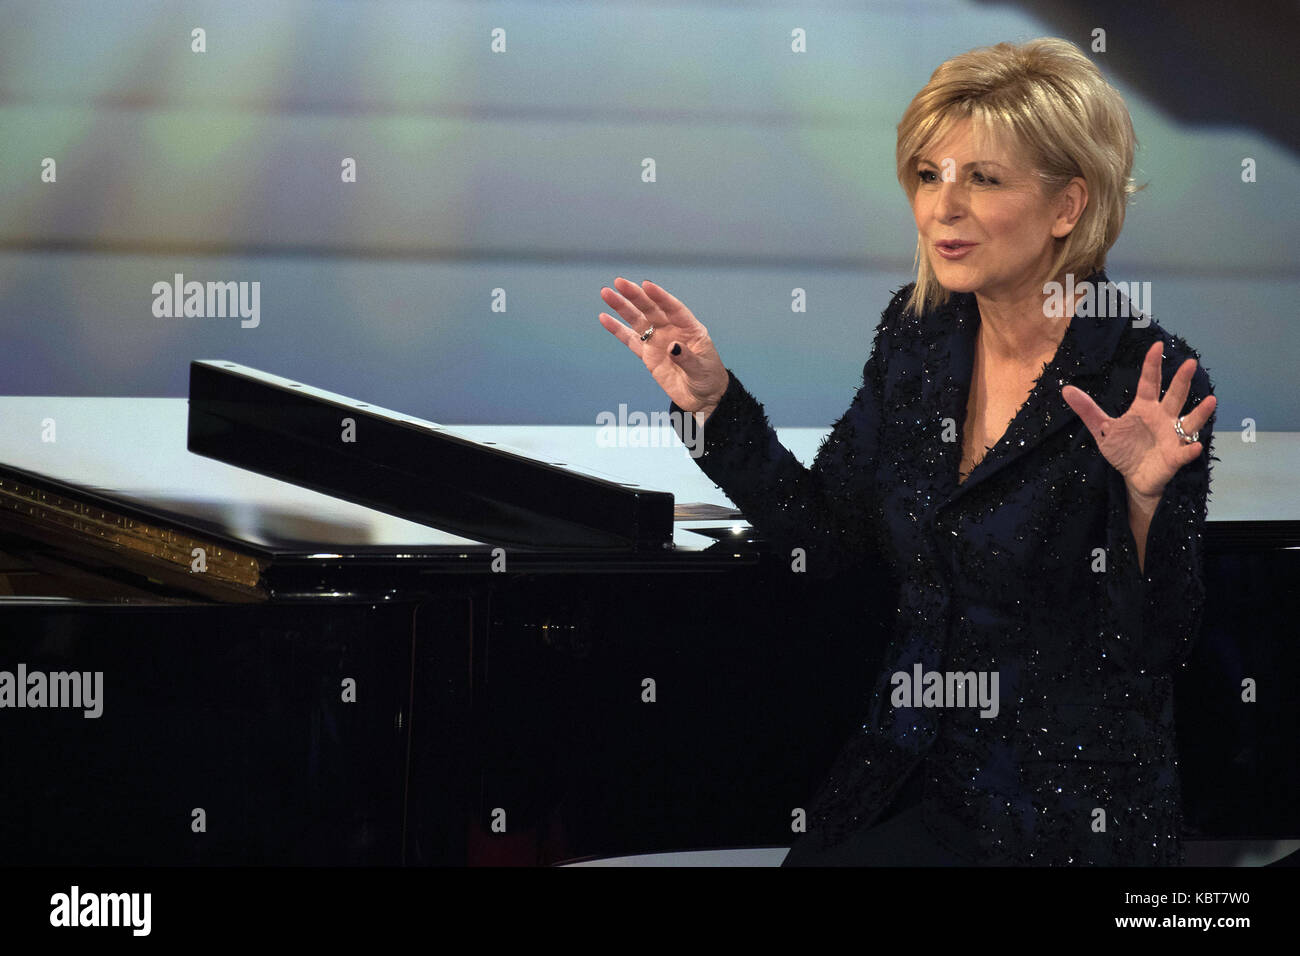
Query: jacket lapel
[1081,360]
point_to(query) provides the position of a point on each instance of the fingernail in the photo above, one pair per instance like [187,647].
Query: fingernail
[677,349]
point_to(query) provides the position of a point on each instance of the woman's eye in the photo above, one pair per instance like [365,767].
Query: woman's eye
[929,176]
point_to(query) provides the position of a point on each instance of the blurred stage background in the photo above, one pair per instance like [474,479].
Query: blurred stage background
[522,171]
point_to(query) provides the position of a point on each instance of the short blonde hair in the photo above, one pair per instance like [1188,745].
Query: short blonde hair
[1049,104]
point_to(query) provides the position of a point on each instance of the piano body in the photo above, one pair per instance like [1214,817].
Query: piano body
[317,632]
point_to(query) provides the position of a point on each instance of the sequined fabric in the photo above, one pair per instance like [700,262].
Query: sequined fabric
[1002,572]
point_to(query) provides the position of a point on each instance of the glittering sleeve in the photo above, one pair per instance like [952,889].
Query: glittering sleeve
[828,509]
[1168,591]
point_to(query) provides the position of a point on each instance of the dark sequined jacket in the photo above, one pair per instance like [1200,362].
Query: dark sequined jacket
[1028,568]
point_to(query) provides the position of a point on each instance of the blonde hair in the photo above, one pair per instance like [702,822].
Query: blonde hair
[1046,101]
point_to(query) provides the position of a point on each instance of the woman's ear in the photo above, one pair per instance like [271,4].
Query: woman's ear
[1070,205]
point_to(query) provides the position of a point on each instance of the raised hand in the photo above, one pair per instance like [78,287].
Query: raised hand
[1142,444]
[695,377]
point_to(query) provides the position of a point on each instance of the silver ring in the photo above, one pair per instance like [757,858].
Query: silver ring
[645,336]
[1178,427]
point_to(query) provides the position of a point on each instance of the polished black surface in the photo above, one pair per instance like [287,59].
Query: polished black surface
[417,470]
[522,698]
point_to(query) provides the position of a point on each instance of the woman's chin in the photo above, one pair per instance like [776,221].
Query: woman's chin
[954,278]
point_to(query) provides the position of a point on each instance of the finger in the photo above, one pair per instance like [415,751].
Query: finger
[631,314]
[1176,396]
[1149,384]
[1189,453]
[1091,413]
[648,307]
[621,332]
[671,307]
[1195,420]
[689,362]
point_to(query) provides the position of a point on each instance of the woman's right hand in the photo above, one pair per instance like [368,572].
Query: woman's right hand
[695,378]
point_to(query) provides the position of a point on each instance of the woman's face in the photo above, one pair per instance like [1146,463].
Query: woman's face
[989,199]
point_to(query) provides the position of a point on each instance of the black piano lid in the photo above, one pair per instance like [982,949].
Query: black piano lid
[118,493]
[415,469]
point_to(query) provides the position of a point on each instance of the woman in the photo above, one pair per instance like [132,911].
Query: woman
[1029,474]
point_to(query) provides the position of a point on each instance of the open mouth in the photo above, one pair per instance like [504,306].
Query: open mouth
[954,248]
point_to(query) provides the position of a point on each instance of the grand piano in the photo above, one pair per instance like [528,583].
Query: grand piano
[274,625]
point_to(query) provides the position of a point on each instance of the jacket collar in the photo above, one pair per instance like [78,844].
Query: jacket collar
[1083,356]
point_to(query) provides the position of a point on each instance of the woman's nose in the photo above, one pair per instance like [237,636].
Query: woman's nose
[950,202]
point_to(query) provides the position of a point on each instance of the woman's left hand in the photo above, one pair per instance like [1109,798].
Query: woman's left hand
[1142,444]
